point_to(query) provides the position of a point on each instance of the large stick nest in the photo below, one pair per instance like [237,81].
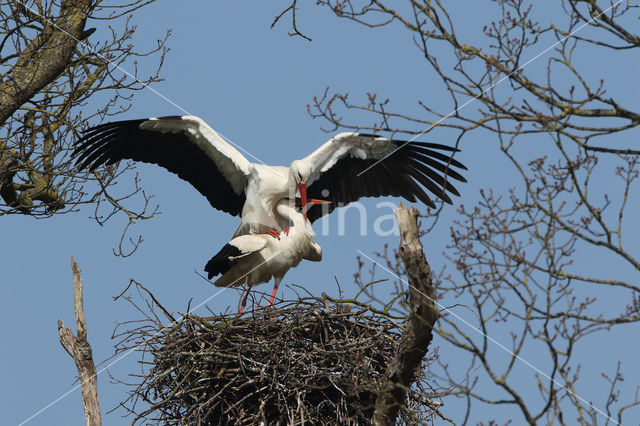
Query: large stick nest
[306,361]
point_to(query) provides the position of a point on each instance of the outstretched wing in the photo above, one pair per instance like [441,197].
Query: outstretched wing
[185,145]
[354,165]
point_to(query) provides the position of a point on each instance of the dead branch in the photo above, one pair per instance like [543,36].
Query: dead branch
[417,333]
[80,350]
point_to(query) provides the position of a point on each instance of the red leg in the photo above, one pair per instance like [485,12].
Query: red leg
[286,230]
[274,233]
[244,300]
[276,283]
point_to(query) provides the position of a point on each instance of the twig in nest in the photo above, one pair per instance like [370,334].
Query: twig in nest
[317,364]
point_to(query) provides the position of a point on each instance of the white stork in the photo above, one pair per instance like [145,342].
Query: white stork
[342,170]
[255,258]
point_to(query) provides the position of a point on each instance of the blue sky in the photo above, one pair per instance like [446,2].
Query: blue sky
[252,84]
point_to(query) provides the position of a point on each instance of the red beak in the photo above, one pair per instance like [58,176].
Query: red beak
[307,203]
[303,197]
[313,202]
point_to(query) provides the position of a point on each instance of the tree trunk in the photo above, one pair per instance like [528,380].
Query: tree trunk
[46,56]
[417,334]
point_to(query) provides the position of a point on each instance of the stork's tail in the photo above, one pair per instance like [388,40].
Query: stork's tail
[221,262]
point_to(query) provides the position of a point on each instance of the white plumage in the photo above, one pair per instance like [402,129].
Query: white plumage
[345,168]
[255,259]
[194,151]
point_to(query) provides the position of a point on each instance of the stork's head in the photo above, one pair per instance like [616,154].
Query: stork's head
[299,172]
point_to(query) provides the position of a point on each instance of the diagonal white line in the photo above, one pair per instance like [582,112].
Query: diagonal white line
[118,359]
[520,68]
[148,87]
[494,341]
[127,73]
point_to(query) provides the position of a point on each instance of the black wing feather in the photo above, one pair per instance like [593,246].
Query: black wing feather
[221,262]
[411,169]
[109,143]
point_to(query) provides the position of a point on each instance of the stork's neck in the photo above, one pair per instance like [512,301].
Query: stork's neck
[295,217]
[292,186]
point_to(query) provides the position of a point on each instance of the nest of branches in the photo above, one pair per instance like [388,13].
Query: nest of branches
[309,361]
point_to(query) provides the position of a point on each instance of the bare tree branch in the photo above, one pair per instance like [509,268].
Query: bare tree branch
[293,10]
[80,350]
[530,79]
[417,333]
[38,67]
[51,79]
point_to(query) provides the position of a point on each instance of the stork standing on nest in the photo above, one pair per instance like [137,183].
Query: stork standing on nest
[342,170]
[255,258]
[345,168]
